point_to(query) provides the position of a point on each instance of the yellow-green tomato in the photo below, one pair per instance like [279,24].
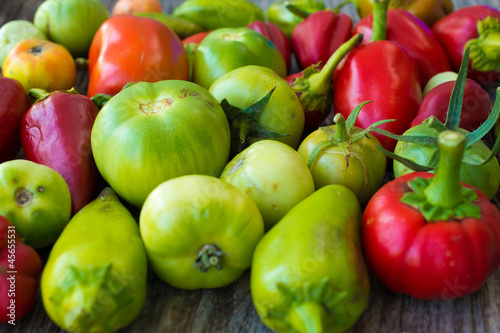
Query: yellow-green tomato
[199,231]
[95,277]
[273,175]
[14,32]
[36,199]
[308,272]
[361,167]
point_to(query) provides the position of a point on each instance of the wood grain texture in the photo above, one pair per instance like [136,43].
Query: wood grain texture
[230,309]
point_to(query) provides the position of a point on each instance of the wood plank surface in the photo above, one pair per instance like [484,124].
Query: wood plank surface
[230,309]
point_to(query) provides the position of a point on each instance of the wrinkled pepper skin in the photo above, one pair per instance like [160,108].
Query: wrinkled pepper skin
[214,14]
[476,105]
[459,28]
[119,44]
[317,37]
[12,108]
[308,273]
[429,11]
[16,256]
[95,276]
[438,260]
[416,38]
[56,132]
[272,32]
[392,83]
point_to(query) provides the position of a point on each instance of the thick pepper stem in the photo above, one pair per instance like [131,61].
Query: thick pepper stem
[380,8]
[308,317]
[445,188]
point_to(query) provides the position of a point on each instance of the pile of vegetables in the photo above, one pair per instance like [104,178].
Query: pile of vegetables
[228,156]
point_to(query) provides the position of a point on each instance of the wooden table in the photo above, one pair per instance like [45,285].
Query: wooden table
[230,309]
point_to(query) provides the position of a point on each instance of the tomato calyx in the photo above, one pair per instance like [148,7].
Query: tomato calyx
[343,136]
[245,123]
[486,45]
[208,256]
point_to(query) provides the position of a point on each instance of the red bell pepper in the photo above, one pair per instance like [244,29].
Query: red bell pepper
[129,48]
[415,37]
[317,37]
[479,27]
[272,32]
[55,132]
[13,104]
[476,105]
[385,74]
[430,236]
[20,266]
[314,87]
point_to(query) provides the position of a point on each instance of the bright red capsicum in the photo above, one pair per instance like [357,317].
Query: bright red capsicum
[476,106]
[20,266]
[272,32]
[385,74]
[415,37]
[317,37]
[55,132]
[14,103]
[432,237]
[479,27]
[129,48]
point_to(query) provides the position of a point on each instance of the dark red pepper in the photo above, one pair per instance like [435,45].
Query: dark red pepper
[476,105]
[13,104]
[55,132]
[415,37]
[385,74]
[272,32]
[430,236]
[317,37]
[18,290]
[478,26]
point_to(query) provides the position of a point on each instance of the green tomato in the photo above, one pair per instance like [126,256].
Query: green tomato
[71,23]
[199,231]
[308,272]
[151,132]
[361,168]
[439,78]
[273,175]
[283,113]
[226,49]
[14,32]
[95,277]
[36,199]
[484,177]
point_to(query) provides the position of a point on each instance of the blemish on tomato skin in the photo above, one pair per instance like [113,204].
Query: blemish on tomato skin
[275,187]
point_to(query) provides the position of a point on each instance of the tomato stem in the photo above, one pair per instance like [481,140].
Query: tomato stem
[308,317]
[208,256]
[341,134]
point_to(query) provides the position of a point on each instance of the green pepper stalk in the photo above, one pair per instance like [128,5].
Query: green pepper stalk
[380,8]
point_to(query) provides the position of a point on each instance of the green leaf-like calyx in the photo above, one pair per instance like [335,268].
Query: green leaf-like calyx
[485,50]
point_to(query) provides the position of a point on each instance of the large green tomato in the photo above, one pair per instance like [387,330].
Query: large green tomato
[71,23]
[226,49]
[283,113]
[273,175]
[151,132]
[14,32]
[199,231]
[36,199]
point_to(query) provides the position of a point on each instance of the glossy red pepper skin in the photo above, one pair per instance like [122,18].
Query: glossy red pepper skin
[56,132]
[120,54]
[476,105]
[272,32]
[415,37]
[383,73]
[14,103]
[19,257]
[317,37]
[457,28]
[428,260]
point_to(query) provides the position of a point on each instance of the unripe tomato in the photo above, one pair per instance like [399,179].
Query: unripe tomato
[41,64]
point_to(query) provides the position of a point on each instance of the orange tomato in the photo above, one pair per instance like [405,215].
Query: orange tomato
[129,48]
[137,6]
[41,64]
